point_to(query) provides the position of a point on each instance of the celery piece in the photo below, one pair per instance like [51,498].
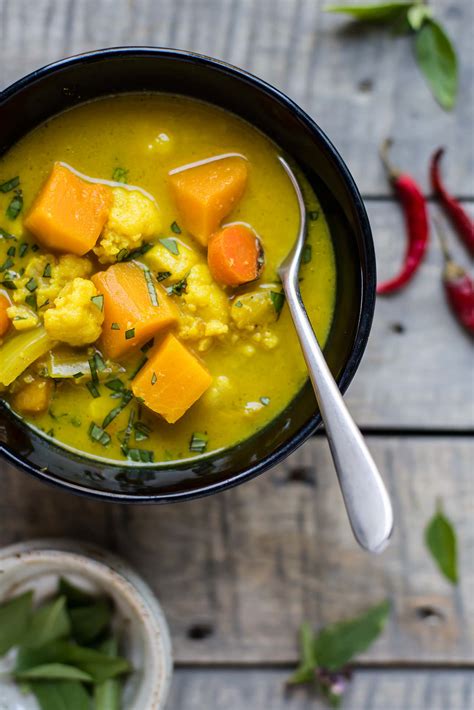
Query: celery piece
[19,352]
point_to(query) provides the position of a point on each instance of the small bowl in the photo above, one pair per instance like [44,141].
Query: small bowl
[69,82]
[37,566]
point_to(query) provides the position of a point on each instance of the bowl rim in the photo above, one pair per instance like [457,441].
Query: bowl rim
[368,282]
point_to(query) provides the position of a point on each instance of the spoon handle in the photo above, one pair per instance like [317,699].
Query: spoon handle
[365,497]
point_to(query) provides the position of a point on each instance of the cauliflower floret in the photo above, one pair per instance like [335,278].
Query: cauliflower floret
[48,275]
[133,219]
[205,309]
[253,309]
[22,318]
[75,318]
[161,259]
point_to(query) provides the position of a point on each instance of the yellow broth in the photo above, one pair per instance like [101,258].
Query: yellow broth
[149,135]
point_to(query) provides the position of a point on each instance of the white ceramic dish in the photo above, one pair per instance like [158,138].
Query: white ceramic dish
[38,564]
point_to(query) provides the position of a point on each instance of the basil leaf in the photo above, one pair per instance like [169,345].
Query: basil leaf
[278,300]
[61,695]
[75,596]
[15,617]
[100,666]
[48,623]
[440,538]
[107,694]
[305,673]
[90,621]
[53,671]
[437,60]
[337,644]
[15,206]
[10,184]
[383,12]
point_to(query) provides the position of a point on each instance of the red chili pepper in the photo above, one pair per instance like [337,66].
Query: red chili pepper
[459,217]
[458,286]
[416,219]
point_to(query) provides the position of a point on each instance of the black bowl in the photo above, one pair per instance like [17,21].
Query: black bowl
[66,83]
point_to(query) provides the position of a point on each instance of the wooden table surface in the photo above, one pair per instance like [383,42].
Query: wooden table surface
[237,573]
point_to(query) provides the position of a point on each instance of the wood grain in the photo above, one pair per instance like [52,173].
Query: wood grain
[238,572]
[418,368]
[360,84]
[369,690]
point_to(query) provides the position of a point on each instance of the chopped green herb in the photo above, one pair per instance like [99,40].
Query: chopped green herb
[77,375]
[140,455]
[151,287]
[21,271]
[31,301]
[123,253]
[92,387]
[7,264]
[6,235]
[9,185]
[313,215]
[148,345]
[176,228]
[307,254]
[124,437]
[129,334]
[11,251]
[265,401]
[138,367]
[115,385]
[8,283]
[15,206]
[23,248]
[31,285]
[93,369]
[163,275]
[178,288]
[75,421]
[96,433]
[34,247]
[198,442]
[153,378]
[141,431]
[99,362]
[120,175]
[171,245]
[47,271]
[238,304]
[98,301]
[111,416]
[278,299]
[45,303]
[50,432]
[115,326]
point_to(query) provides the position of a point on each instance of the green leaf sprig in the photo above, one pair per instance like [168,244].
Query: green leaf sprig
[441,541]
[325,655]
[434,51]
[66,655]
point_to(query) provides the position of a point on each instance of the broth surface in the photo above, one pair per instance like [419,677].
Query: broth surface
[147,136]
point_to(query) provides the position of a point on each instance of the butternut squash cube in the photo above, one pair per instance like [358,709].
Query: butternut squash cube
[136,307]
[172,380]
[69,213]
[207,193]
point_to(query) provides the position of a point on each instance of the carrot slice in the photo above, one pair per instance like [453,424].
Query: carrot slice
[135,308]
[207,193]
[172,380]
[235,255]
[69,213]
[4,319]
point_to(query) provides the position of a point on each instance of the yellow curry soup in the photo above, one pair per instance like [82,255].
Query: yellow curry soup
[141,316]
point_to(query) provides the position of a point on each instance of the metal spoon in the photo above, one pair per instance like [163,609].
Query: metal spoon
[366,499]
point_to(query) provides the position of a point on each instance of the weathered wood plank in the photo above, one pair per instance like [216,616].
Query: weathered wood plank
[360,84]
[237,573]
[261,689]
[418,368]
